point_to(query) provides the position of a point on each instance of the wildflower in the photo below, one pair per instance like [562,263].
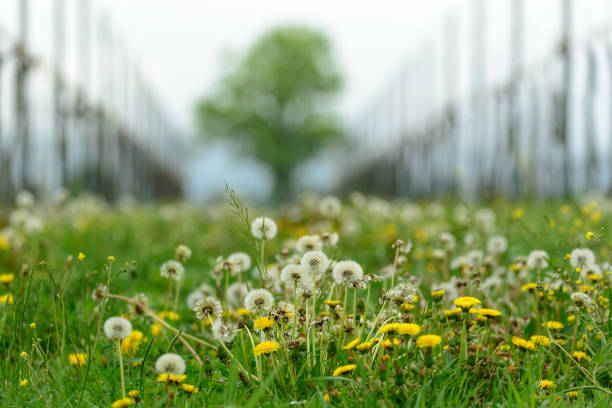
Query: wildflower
[347,272]
[23,382]
[79,359]
[99,293]
[467,302]
[111,258]
[545,385]
[208,307]
[262,323]
[182,253]
[364,346]
[264,228]
[529,287]
[236,292]
[123,402]
[402,247]
[6,278]
[437,295]
[428,341]
[343,369]
[352,344]
[581,355]
[169,315]
[537,260]
[81,256]
[242,312]
[309,243]
[332,303]
[169,378]
[241,261]
[540,340]
[589,235]
[6,298]
[581,299]
[193,298]
[117,328]
[497,245]
[259,301]
[552,325]
[582,257]
[170,363]
[135,394]
[24,355]
[572,394]
[136,309]
[315,262]
[267,347]
[453,312]
[172,270]
[222,331]
[295,274]
[410,329]
[330,206]
[486,312]
[524,344]
[190,389]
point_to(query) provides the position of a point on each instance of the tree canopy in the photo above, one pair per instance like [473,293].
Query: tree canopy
[275,104]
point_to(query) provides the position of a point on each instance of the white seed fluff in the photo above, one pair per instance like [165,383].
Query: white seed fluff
[259,301]
[170,363]
[117,328]
[347,272]
[264,228]
[172,270]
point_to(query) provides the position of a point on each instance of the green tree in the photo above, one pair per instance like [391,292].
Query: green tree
[275,104]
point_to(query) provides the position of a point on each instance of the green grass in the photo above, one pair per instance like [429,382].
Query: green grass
[53,289]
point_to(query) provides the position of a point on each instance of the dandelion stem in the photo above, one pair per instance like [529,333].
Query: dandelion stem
[120,351]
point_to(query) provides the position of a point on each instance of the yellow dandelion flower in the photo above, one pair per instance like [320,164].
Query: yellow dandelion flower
[79,359]
[4,243]
[453,312]
[407,307]
[486,312]
[546,385]
[518,213]
[171,378]
[81,256]
[540,340]
[24,355]
[123,402]
[552,325]
[589,235]
[571,318]
[581,355]
[466,302]
[529,287]
[156,329]
[572,394]
[524,344]
[351,345]
[364,346]
[111,259]
[332,302]
[7,298]
[190,389]
[267,347]
[242,312]
[428,341]
[410,329]
[388,328]
[24,382]
[438,294]
[32,325]
[344,369]
[134,393]
[169,314]
[262,323]
[6,278]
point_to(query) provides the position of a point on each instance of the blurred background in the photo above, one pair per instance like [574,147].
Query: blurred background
[162,100]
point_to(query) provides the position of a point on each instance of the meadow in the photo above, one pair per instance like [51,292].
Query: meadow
[362,302]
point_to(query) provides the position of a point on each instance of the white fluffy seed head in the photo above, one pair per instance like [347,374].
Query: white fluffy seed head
[170,363]
[194,298]
[223,331]
[236,292]
[172,270]
[315,262]
[241,261]
[582,257]
[347,272]
[264,228]
[537,260]
[183,252]
[294,274]
[330,206]
[497,244]
[117,328]
[208,307]
[309,243]
[259,301]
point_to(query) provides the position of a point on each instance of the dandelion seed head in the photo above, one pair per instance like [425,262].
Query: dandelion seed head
[259,301]
[223,331]
[241,260]
[347,272]
[309,243]
[172,270]
[117,328]
[170,363]
[208,307]
[264,228]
